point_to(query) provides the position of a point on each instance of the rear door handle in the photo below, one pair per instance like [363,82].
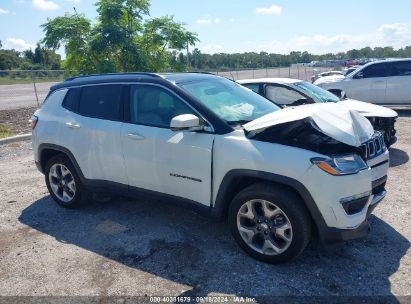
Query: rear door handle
[135,136]
[72,125]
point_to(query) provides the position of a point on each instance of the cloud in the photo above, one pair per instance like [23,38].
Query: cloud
[207,19]
[203,21]
[271,10]
[4,12]
[18,44]
[211,48]
[396,35]
[45,5]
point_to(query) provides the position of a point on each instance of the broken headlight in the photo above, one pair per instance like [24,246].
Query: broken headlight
[341,164]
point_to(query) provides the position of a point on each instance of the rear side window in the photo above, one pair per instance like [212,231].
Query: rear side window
[101,101]
[401,68]
[71,100]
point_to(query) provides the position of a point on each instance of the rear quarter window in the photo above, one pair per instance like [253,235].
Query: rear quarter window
[101,101]
[71,100]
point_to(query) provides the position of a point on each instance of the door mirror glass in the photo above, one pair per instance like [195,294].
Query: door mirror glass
[186,122]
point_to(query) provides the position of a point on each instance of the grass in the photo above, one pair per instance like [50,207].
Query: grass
[5,131]
[28,80]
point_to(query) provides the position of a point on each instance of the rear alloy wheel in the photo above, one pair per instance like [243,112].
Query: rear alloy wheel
[63,182]
[270,222]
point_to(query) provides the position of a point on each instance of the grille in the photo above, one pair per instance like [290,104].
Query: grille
[374,147]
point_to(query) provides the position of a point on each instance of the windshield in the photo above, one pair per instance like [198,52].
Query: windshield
[316,93]
[229,100]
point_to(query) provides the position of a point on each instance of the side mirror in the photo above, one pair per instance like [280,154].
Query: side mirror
[359,75]
[186,122]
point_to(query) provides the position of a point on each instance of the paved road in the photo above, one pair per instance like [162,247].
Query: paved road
[22,95]
[18,96]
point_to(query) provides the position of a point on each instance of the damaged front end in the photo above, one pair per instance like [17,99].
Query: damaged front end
[304,134]
[327,129]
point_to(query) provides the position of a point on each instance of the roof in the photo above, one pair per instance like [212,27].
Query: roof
[129,77]
[386,60]
[269,80]
[186,77]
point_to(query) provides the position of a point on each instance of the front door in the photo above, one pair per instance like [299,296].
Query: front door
[162,160]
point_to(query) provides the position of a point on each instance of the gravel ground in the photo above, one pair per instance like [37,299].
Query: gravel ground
[17,119]
[141,247]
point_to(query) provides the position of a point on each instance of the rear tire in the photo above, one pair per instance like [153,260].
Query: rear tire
[270,222]
[63,182]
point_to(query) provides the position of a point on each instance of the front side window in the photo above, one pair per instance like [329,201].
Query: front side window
[154,106]
[255,87]
[375,70]
[101,101]
[229,100]
[401,68]
[282,95]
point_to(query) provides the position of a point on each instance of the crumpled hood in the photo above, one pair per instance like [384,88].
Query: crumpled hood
[368,109]
[332,78]
[334,120]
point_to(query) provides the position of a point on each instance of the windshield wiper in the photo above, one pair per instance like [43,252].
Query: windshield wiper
[238,122]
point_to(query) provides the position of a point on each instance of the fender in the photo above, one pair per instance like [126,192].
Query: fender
[66,151]
[222,202]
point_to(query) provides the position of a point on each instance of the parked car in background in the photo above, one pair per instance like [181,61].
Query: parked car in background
[350,70]
[325,74]
[385,82]
[207,142]
[351,62]
[293,92]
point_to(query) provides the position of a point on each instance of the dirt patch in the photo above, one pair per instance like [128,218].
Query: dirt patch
[17,120]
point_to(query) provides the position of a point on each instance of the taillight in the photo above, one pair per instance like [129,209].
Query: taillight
[34,119]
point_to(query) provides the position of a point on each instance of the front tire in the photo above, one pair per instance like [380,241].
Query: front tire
[63,182]
[270,223]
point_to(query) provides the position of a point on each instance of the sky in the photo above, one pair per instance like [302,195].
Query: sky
[278,26]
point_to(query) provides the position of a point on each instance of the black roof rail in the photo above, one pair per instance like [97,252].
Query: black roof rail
[114,74]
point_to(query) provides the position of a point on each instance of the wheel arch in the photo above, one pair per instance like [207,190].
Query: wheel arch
[47,151]
[237,179]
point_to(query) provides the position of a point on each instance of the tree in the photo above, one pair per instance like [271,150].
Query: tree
[122,39]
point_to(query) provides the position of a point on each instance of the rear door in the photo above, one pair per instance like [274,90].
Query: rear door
[369,84]
[159,159]
[399,83]
[91,130]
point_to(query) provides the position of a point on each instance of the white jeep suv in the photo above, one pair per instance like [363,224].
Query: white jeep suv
[207,142]
[386,82]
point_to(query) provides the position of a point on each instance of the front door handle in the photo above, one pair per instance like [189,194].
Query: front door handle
[72,125]
[135,136]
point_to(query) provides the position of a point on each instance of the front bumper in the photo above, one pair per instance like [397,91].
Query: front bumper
[330,236]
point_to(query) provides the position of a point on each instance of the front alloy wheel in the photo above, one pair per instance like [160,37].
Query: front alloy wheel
[264,227]
[270,222]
